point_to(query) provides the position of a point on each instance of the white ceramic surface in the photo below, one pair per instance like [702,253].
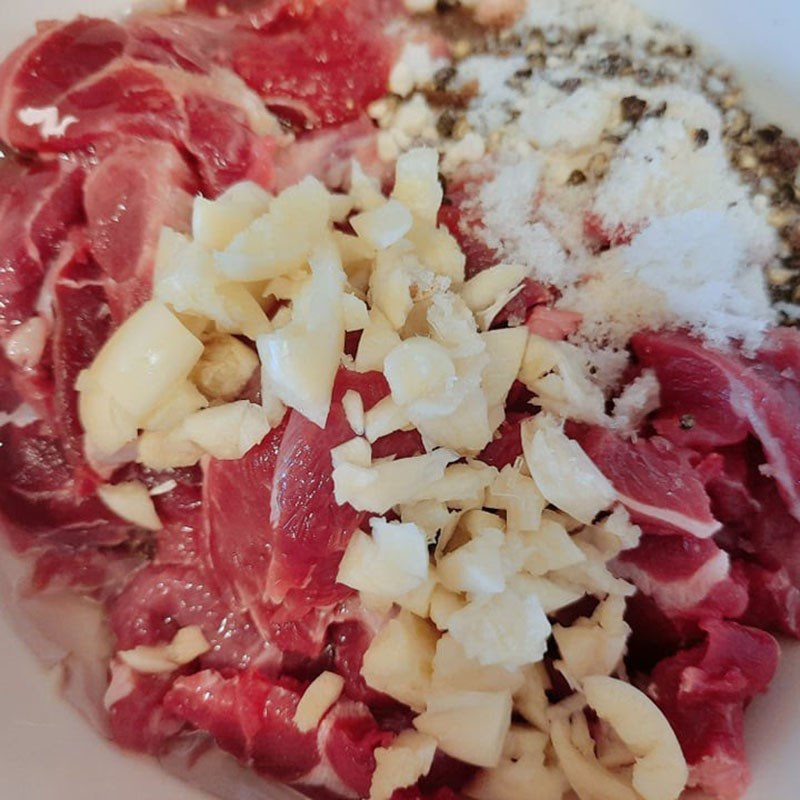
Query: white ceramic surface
[47,752]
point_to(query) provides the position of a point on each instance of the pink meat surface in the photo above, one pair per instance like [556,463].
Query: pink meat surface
[712,398]
[129,197]
[253,718]
[703,692]
[655,480]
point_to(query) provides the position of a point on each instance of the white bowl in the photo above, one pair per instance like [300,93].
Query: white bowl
[47,752]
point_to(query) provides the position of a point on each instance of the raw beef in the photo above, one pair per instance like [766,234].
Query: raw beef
[252,718]
[712,398]
[689,578]
[39,203]
[42,502]
[135,191]
[309,544]
[655,480]
[703,692]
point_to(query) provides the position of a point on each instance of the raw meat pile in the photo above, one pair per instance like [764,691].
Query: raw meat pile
[225,596]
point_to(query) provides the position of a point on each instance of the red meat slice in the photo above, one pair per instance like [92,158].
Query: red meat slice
[130,196]
[687,577]
[773,599]
[308,61]
[552,323]
[40,501]
[137,717]
[38,205]
[703,692]
[724,396]
[253,718]
[239,536]
[654,480]
[161,599]
[152,78]
[311,530]
[95,572]
[327,154]
[506,447]
[82,324]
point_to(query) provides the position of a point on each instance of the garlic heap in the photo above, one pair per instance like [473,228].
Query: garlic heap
[468,623]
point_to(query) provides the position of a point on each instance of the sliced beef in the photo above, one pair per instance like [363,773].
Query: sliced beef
[655,480]
[688,578]
[252,718]
[134,192]
[39,203]
[42,502]
[307,59]
[712,398]
[703,692]
[311,531]
[161,599]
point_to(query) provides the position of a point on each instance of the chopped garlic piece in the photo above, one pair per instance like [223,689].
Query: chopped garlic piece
[143,359]
[281,240]
[228,431]
[132,502]
[453,670]
[216,222]
[354,451]
[509,629]
[483,290]
[505,349]
[565,475]
[476,566]
[187,280]
[383,226]
[417,184]
[384,485]
[364,190]
[377,341]
[167,449]
[108,426]
[430,515]
[462,485]
[439,252]
[660,772]
[444,604]
[390,283]
[317,699]
[398,661]
[422,376]
[182,400]
[187,645]
[519,497]
[418,601]
[593,646]
[523,765]
[547,549]
[403,763]
[354,411]
[383,418]
[530,700]
[300,361]
[391,563]
[225,368]
[356,313]
[586,776]
[470,726]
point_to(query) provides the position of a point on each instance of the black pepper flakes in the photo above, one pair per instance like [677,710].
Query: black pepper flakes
[446,123]
[658,111]
[632,108]
[442,77]
[687,422]
[576,178]
[701,137]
